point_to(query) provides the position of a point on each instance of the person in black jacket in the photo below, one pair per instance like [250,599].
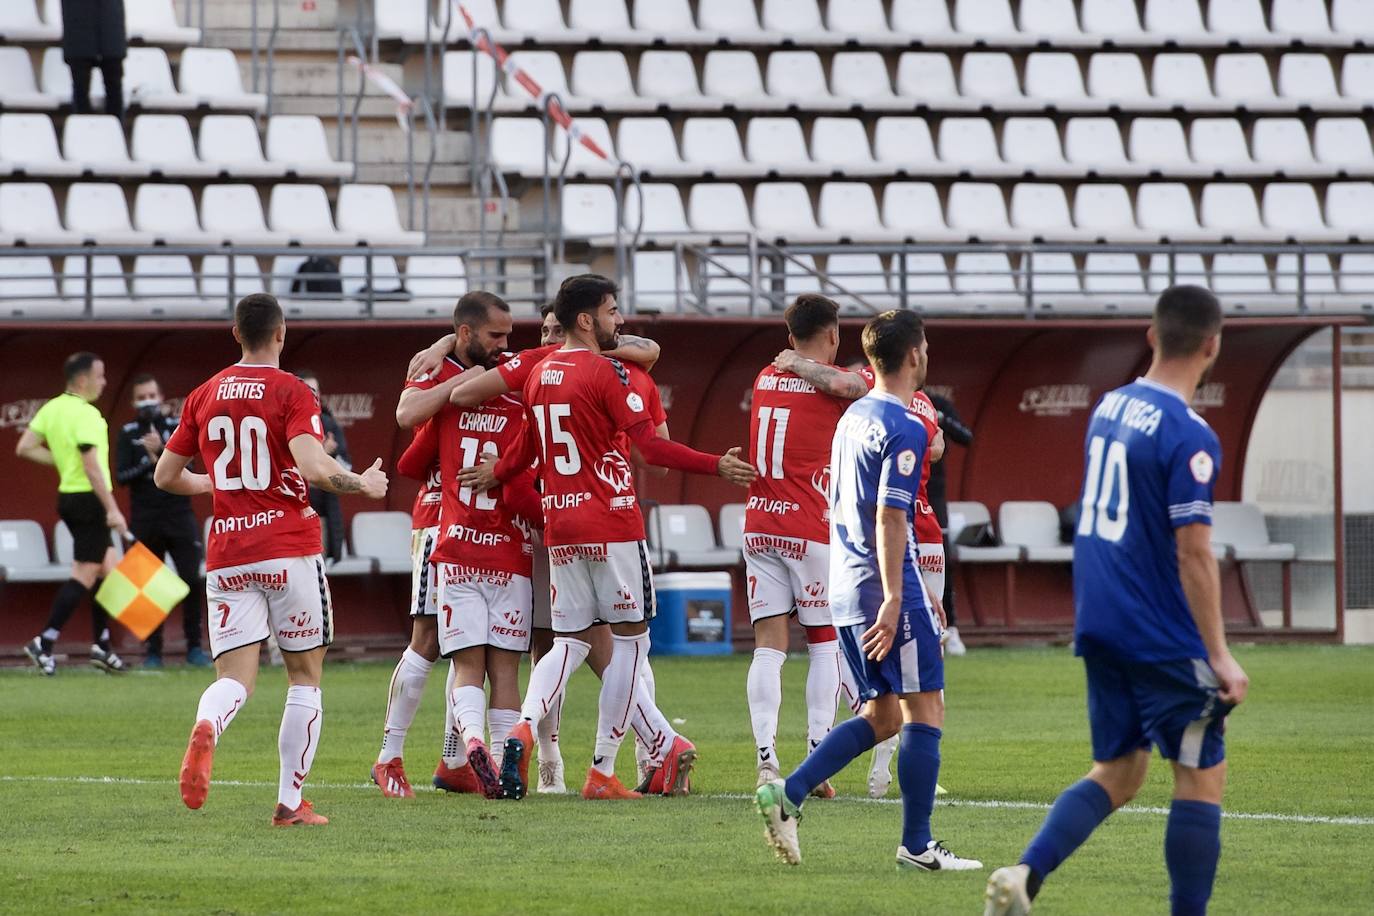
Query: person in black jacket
[163,522]
[93,36]
[336,446]
[959,434]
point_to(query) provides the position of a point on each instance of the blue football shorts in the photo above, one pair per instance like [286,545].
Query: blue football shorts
[1173,705]
[914,664]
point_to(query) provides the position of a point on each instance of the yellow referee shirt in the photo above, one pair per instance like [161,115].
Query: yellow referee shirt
[66,423]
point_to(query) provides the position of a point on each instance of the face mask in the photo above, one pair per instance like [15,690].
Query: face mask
[149,409]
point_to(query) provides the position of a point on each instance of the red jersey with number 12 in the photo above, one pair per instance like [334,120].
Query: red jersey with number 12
[577,404]
[791,425]
[240,423]
[926,524]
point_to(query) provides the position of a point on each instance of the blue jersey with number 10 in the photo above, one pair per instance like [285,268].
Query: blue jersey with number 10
[1151,466]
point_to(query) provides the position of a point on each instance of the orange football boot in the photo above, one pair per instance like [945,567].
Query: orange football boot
[304,816]
[195,766]
[461,780]
[677,767]
[824,790]
[605,788]
[390,777]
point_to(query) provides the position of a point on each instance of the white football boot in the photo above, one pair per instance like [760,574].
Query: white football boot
[935,858]
[1006,894]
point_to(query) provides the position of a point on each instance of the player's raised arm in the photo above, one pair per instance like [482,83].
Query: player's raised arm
[639,350]
[427,361]
[669,454]
[840,383]
[416,405]
[477,386]
[327,474]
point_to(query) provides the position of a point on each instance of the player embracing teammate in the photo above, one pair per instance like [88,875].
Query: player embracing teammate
[578,403]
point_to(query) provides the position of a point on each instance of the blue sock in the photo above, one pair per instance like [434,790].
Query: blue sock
[846,741]
[1192,845]
[1075,815]
[918,768]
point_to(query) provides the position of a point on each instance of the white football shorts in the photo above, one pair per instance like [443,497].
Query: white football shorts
[931,558]
[786,573]
[600,583]
[480,607]
[288,598]
[422,541]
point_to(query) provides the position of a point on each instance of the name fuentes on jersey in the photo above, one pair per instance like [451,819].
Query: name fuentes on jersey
[232,389]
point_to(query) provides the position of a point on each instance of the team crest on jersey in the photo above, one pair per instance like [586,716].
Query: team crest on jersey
[634,402]
[293,485]
[906,462]
[613,470]
[1202,467]
[820,481]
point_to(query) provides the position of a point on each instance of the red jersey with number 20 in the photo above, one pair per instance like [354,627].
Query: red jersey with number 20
[926,524]
[240,423]
[577,403]
[791,425]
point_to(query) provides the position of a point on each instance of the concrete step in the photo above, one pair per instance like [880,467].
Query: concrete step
[382,141]
[442,176]
[327,106]
[238,14]
[323,41]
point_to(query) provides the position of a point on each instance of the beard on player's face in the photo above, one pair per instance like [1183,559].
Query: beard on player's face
[607,334]
[476,354]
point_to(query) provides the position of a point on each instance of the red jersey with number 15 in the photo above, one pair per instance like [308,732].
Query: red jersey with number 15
[791,425]
[240,423]
[926,524]
[577,404]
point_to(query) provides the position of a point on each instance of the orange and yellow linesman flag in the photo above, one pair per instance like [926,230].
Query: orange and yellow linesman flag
[141,591]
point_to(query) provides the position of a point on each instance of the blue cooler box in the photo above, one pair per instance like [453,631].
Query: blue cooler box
[693,614]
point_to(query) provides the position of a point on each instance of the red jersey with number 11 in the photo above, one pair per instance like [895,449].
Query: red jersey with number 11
[240,423]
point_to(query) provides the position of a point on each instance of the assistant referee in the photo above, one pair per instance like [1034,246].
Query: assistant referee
[69,433]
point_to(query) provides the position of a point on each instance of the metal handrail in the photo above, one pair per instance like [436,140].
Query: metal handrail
[624,263]
[546,115]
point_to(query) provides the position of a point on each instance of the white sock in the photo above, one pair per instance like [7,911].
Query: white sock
[453,743]
[822,689]
[655,733]
[764,689]
[470,712]
[499,724]
[849,688]
[220,702]
[297,741]
[618,684]
[545,689]
[646,677]
[403,698]
[546,731]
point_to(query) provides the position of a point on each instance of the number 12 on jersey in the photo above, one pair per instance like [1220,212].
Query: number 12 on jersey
[1105,480]
[776,417]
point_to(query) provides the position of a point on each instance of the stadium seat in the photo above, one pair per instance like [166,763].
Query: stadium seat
[783,279]
[860,276]
[215,282]
[774,146]
[540,20]
[927,18]
[301,213]
[684,536]
[1119,79]
[588,210]
[663,212]
[1174,18]
[1114,279]
[298,144]
[1239,533]
[1344,143]
[98,212]
[1033,526]
[649,144]
[154,22]
[655,286]
[670,78]
[384,282]
[94,144]
[147,79]
[980,210]
[18,88]
[458,78]
[985,282]
[1165,210]
[28,215]
[1219,145]
[1237,21]
[796,78]
[1053,280]
[1187,268]
[298,303]
[727,283]
[666,20]
[904,145]
[1095,144]
[100,275]
[1243,283]
[382,537]
[841,144]
[927,275]
[990,78]
[717,208]
[989,20]
[28,146]
[20,22]
[973,514]
[1230,210]
[1357,77]
[1307,80]
[1245,80]
[164,286]
[519,145]
[602,80]
[1357,277]
[912,209]
[1180,80]
[1031,145]
[969,143]
[545,68]
[1349,208]
[1111,18]
[168,212]
[1053,19]
[862,22]
[800,20]
[860,78]
[782,210]
[1319,279]
[28,289]
[1291,208]
[583,162]
[928,77]
[163,142]
[24,554]
[731,523]
[231,144]
[607,19]
[435,283]
[233,213]
[1303,18]
[1040,210]
[734,75]
[1159,145]
[732,21]
[1104,211]
[1352,16]
[1055,77]
[713,146]
[849,210]
[1282,144]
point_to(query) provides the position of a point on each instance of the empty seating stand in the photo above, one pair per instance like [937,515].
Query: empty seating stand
[1240,535]
[684,536]
[975,514]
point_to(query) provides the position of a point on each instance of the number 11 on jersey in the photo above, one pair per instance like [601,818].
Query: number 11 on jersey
[777,417]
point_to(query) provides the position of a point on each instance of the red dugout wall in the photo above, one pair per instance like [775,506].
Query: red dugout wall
[1025,387]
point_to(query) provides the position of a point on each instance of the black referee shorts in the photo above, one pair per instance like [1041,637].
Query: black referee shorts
[85,517]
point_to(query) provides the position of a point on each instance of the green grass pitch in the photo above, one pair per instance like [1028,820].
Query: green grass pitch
[1301,755]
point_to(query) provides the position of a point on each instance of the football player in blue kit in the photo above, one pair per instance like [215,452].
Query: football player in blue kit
[889,629]
[1148,622]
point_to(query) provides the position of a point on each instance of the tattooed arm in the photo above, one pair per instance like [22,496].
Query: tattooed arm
[324,472]
[640,350]
[836,382]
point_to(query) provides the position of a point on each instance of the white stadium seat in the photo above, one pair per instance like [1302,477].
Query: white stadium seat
[912,208]
[987,19]
[655,285]
[926,275]
[28,214]
[1114,18]
[969,143]
[990,76]
[849,209]
[302,304]
[927,18]
[648,143]
[106,281]
[1118,78]
[588,210]
[1041,210]
[1237,20]
[541,20]
[1242,282]
[583,161]
[1105,211]
[1352,16]
[163,142]
[1033,144]
[724,289]
[713,145]
[667,20]
[1114,279]
[164,285]
[1345,143]
[436,280]
[1188,268]
[602,78]
[797,78]
[1166,210]
[1159,144]
[20,22]
[688,530]
[1291,207]
[841,144]
[148,78]
[231,144]
[860,275]
[382,537]
[1095,143]
[369,212]
[298,143]
[28,289]
[1230,210]
[28,145]
[1056,77]
[1304,18]
[1357,274]
[1349,208]
[979,209]
[1055,18]
[862,20]
[718,208]
[18,88]
[986,281]
[546,69]
[24,553]
[904,144]
[1357,77]
[301,213]
[168,211]
[670,78]
[782,209]
[233,213]
[353,275]
[1282,144]
[1173,17]
[732,20]
[458,78]
[663,212]
[1219,143]
[520,145]
[1035,527]
[609,20]
[926,76]
[1244,79]
[735,75]
[154,22]
[1054,281]
[860,77]
[1181,80]
[1319,279]
[800,20]
[215,281]
[98,212]
[1307,79]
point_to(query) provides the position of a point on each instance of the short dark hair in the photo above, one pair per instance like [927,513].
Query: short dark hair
[581,293]
[889,337]
[474,308]
[1185,316]
[143,378]
[257,317]
[809,314]
[545,309]
[78,364]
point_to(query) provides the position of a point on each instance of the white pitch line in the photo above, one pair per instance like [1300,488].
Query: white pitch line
[1341,821]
